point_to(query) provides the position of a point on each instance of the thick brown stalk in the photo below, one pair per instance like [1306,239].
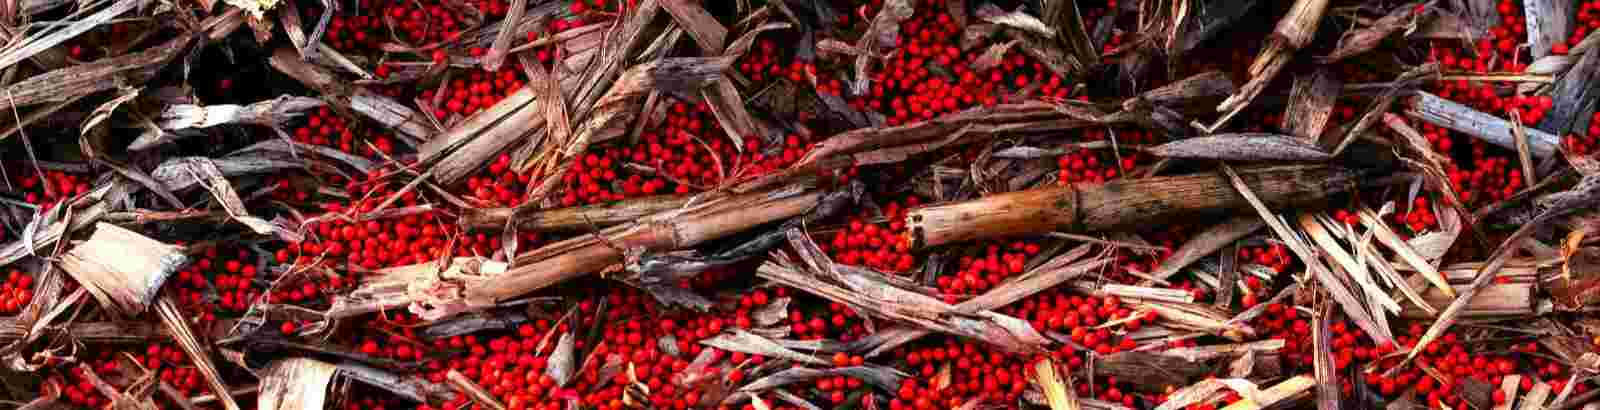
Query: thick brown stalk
[1116,204]
[579,256]
[572,219]
[487,133]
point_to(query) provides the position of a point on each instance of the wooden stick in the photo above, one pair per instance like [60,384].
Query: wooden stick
[474,391]
[1460,118]
[575,257]
[1116,204]
[572,219]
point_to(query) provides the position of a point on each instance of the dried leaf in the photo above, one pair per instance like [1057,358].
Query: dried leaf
[1207,242]
[121,268]
[79,80]
[1017,19]
[176,324]
[886,378]
[1327,378]
[742,341]
[883,32]
[58,32]
[995,55]
[563,360]
[209,176]
[1275,394]
[728,107]
[473,391]
[776,310]
[502,39]
[274,112]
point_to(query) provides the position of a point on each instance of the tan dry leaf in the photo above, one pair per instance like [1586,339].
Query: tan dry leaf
[1017,19]
[739,340]
[123,269]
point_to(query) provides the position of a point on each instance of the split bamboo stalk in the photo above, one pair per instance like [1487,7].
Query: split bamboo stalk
[1392,240]
[1057,386]
[1509,386]
[1496,300]
[1117,204]
[572,219]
